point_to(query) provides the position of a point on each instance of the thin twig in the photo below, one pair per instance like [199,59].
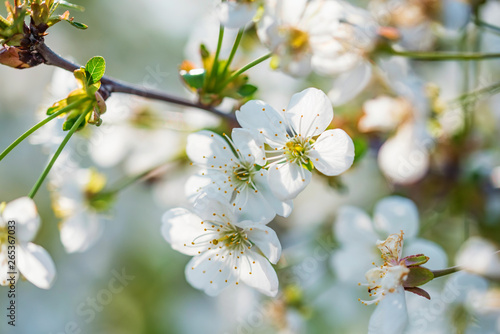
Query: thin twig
[111,85]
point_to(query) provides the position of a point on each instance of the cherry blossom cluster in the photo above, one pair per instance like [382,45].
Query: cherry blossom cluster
[245,181]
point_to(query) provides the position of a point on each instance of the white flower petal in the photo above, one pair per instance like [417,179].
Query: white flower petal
[437,256]
[393,214]
[258,273]
[251,205]
[81,231]
[259,116]
[390,316]
[310,112]
[236,15]
[208,149]
[211,205]
[333,152]
[288,180]
[354,227]
[349,84]
[209,272]
[250,145]
[282,208]
[266,239]
[36,265]
[180,229]
[211,182]
[23,211]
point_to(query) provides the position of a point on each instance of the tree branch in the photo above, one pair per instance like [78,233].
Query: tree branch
[110,85]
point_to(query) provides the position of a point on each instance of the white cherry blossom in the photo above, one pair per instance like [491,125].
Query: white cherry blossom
[329,37]
[385,285]
[226,251]
[82,223]
[292,135]
[32,261]
[232,168]
[357,234]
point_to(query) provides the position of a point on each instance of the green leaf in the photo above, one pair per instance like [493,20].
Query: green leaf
[418,276]
[77,24]
[415,260]
[194,78]
[66,4]
[247,90]
[94,69]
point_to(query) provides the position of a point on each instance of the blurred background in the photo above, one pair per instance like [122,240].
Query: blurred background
[144,43]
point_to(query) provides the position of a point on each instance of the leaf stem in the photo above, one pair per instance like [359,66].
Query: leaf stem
[233,51]
[215,65]
[56,155]
[245,68]
[38,126]
[126,182]
[444,272]
[445,56]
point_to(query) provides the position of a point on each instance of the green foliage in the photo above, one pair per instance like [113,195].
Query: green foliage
[86,97]
[94,70]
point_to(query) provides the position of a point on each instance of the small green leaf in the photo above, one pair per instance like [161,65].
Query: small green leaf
[77,24]
[66,4]
[247,90]
[94,69]
[194,78]
[418,276]
[415,260]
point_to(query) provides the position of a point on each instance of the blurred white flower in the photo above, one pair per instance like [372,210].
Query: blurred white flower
[384,113]
[33,261]
[237,13]
[291,135]
[329,37]
[357,234]
[233,170]
[479,256]
[404,157]
[81,213]
[226,250]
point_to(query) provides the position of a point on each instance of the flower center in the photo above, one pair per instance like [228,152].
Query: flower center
[297,149]
[232,237]
[298,40]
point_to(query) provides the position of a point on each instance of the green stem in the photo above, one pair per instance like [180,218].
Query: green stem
[444,272]
[56,155]
[486,25]
[473,96]
[122,184]
[233,51]
[444,56]
[245,68]
[38,126]
[215,66]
